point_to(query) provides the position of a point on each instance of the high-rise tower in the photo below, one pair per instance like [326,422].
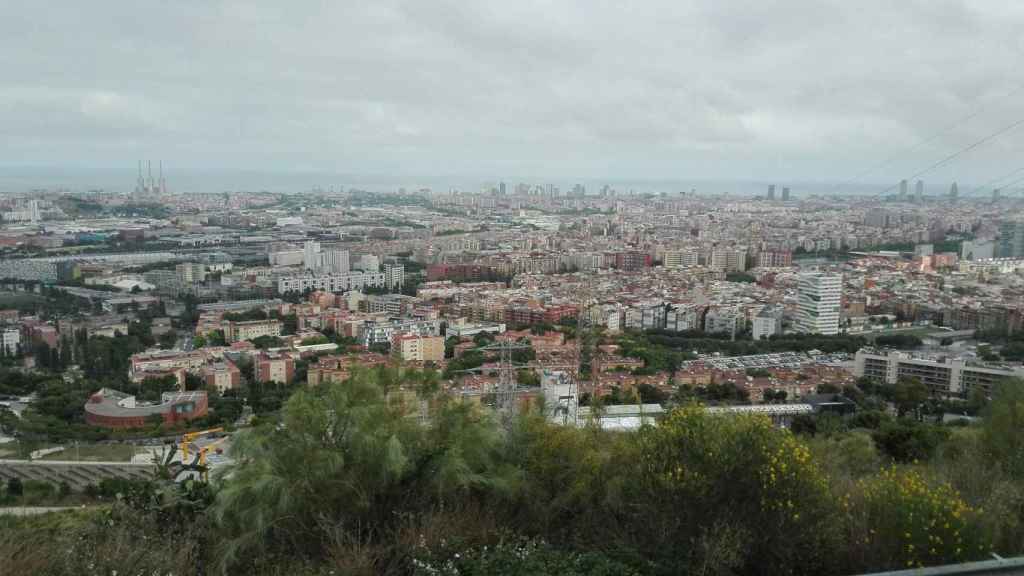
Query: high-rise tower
[819,300]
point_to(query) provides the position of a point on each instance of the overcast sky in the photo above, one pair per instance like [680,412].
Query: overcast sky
[667,89]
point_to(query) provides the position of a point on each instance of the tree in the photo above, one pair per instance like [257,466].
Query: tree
[266,341]
[907,440]
[348,453]
[528,378]
[449,346]
[289,324]
[15,487]
[167,340]
[523,355]
[908,394]
[650,394]
[1001,431]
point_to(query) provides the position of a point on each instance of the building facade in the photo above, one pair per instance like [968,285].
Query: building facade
[819,301]
[238,331]
[943,376]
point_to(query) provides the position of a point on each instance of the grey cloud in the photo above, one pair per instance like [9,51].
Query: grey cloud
[785,89]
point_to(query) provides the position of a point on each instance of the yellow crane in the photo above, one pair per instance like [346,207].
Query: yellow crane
[202,459]
[187,439]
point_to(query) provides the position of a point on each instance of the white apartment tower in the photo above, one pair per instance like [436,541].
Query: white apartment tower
[311,255]
[818,311]
[334,261]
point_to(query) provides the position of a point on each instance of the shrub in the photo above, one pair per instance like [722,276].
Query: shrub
[14,487]
[702,475]
[909,441]
[898,519]
[514,557]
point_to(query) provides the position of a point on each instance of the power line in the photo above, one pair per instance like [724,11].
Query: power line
[935,136]
[1017,181]
[958,153]
[993,182]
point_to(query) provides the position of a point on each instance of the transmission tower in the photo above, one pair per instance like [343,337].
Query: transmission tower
[505,391]
[582,351]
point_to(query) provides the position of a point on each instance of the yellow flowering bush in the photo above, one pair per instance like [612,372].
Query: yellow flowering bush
[704,469]
[899,519]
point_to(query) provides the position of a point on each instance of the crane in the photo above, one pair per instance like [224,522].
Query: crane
[201,460]
[187,439]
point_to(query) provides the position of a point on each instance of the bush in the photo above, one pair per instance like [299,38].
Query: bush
[898,519]
[14,487]
[1003,440]
[515,557]
[909,441]
[702,476]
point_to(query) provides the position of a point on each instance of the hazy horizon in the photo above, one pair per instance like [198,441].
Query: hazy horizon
[22,180]
[664,91]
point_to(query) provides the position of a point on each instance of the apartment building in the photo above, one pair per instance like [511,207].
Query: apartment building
[223,376]
[414,348]
[10,341]
[331,282]
[944,376]
[767,323]
[680,259]
[383,332]
[248,330]
[274,367]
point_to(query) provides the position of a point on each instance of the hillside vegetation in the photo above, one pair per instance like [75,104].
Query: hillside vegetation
[350,482]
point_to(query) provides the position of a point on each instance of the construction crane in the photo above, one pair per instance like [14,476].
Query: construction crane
[201,460]
[187,439]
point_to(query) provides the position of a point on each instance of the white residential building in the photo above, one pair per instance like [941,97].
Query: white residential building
[311,255]
[368,263]
[10,341]
[333,262]
[942,375]
[331,282]
[683,317]
[767,323]
[394,276]
[680,259]
[724,320]
[819,302]
[190,272]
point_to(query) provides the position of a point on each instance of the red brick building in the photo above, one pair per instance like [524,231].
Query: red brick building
[112,409]
[274,367]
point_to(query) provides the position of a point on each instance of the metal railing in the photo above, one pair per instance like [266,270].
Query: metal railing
[996,566]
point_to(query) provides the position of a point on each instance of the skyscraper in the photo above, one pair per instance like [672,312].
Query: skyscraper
[771,192]
[953,192]
[995,195]
[785,194]
[919,190]
[818,309]
[903,189]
